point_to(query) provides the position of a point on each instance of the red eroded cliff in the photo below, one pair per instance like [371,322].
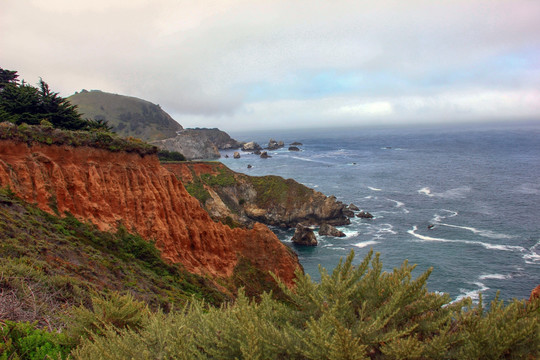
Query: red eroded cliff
[108,188]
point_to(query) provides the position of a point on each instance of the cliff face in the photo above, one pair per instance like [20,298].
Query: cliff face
[109,189]
[271,200]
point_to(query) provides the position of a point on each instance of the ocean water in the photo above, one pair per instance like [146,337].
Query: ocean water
[479,188]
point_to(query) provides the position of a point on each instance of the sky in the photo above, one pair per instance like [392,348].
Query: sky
[258,64]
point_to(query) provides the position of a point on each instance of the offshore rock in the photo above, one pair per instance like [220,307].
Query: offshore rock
[303,235]
[264,155]
[329,230]
[274,145]
[364,215]
[236,155]
[270,199]
[109,189]
[293,148]
[353,207]
[251,146]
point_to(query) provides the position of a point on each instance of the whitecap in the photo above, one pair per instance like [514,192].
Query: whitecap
[484,233]
[350,233]
[364,244]
[468,242]
[455,193]
[400,205]
[494,276]
[426,191]
[473,294]
[374,188]
[437,217]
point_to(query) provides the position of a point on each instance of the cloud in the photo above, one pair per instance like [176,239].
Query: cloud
[215,62]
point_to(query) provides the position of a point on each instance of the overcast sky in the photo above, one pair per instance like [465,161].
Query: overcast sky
[284,64]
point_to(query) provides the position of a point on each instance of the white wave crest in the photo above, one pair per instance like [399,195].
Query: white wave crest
[456,193]
[494,276]
[438,217]
[363,244]
[485,233]
[473,294]
[374,188]
[468,242]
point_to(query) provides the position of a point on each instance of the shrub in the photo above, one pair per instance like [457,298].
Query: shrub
[24,341]
[357,312]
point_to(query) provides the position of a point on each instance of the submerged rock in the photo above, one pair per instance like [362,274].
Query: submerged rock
[304,236]
[296,143]
[329,230]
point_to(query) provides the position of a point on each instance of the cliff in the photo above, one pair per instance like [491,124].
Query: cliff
[238,198]
[134,190]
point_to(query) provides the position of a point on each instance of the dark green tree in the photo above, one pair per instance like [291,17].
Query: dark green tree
[23,103]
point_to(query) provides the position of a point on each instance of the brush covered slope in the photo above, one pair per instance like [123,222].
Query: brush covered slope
[50,263]
[233,197]
[127,115]
[110,189]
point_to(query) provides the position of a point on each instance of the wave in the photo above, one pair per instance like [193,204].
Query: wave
[437,218]
[374,188]
[485,233]
[364,244]
[494,276]
[468,242]
[473,294]
[533,256]
[399,205]
[455,193]
[529,189]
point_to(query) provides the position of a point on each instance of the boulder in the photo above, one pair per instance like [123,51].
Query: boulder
[293,148]
[249,166]
[251,146]
[364,215]
[353,207]
[264,155]
[236,155]
[329,230]
[304,235]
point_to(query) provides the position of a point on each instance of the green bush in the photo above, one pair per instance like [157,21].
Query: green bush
[357,312]
[26,342]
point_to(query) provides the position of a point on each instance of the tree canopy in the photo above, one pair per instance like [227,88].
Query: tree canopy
[23,103]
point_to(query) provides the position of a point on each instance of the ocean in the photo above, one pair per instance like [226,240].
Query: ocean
[463,200]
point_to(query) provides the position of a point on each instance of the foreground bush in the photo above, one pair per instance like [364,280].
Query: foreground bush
[357,312]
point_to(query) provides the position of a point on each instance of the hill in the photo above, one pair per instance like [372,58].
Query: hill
[128,116]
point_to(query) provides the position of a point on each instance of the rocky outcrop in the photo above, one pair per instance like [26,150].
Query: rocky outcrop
[264,155]
[330,230]
[303,235]
[236,155]
[535,294]
[293,148]
[251,146]
[190,145]
[245,199]
[219,138]
[353,207]
[109,189]
[196,144]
